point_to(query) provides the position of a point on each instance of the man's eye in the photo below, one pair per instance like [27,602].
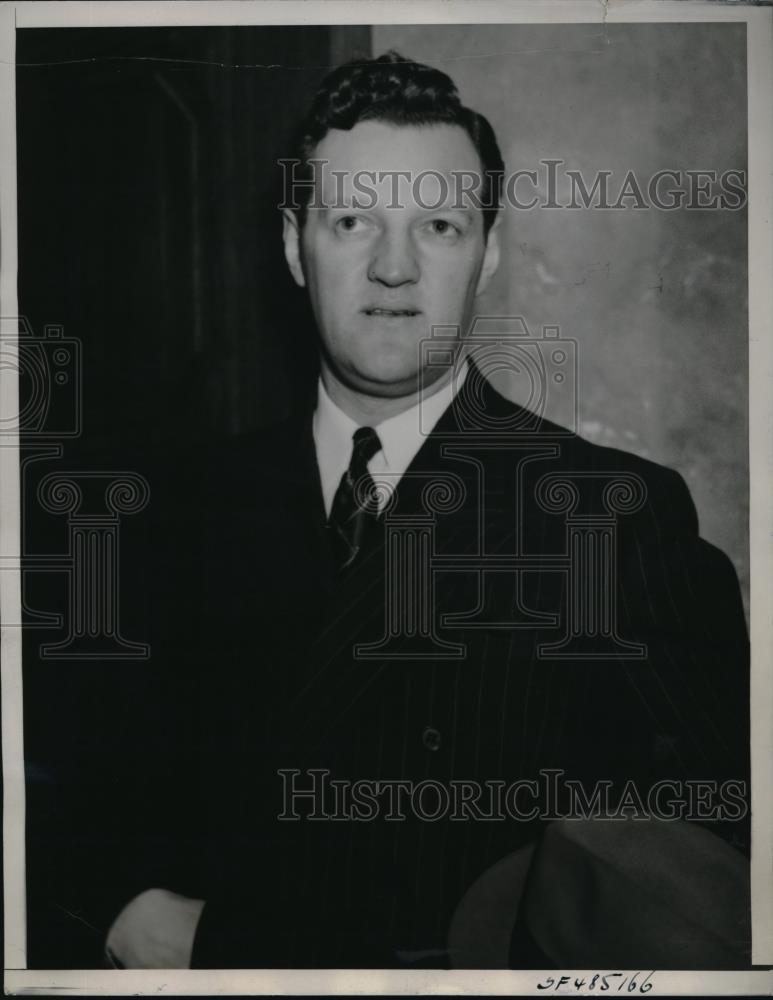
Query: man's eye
[349,223]
[442,227]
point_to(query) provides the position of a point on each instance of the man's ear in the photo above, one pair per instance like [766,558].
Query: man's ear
[291,234]
[490,257]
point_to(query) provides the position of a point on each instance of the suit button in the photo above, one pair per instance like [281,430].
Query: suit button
[431,738]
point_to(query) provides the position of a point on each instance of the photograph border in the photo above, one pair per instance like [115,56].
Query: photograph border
[759,19]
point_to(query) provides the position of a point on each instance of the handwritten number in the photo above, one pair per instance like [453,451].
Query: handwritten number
[646,986]
[633,985]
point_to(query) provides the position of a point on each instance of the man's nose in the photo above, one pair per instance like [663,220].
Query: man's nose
[393,261]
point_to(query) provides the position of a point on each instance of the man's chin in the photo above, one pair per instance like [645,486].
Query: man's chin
[383,380]
[388,375]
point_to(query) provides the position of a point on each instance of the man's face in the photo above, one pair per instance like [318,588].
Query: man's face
[381,276]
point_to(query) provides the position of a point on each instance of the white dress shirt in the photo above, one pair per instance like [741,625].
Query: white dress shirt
[401,437]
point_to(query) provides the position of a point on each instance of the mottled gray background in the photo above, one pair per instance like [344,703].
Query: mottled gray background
[657,301]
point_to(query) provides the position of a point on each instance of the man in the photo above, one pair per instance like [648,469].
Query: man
[421,582]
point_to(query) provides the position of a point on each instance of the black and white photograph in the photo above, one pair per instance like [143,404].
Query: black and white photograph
[387,497]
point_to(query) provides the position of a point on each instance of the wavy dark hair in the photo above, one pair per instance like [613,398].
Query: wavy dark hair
[397,91]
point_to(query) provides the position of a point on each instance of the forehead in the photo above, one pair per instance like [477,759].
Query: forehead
[382,147]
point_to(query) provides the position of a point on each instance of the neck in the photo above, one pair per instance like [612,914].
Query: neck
[368,410]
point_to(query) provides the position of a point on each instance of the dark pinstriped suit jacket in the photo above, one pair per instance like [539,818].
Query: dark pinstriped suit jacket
[272,629]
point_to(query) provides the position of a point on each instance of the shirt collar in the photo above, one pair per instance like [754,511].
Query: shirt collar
[401,436]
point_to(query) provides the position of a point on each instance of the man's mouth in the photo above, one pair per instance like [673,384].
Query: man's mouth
[391,312]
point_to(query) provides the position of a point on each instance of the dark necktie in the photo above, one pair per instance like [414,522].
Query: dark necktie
[354,505]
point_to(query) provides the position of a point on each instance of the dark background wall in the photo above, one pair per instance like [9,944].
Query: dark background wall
[148,186]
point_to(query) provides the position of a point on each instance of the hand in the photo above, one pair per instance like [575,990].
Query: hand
[155,931]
